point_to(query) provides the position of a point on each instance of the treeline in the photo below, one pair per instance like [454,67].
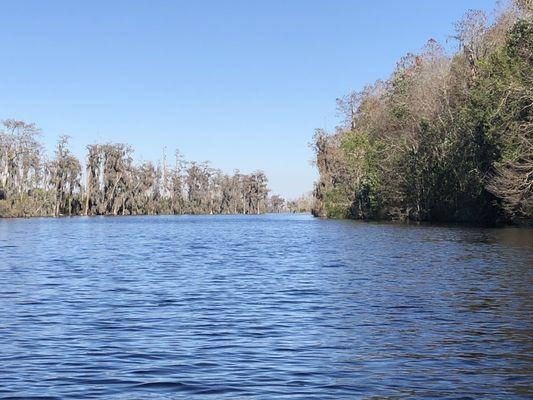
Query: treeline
[302,204]
[444,138]
[110,183]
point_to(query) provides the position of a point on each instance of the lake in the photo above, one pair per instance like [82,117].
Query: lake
[262,307]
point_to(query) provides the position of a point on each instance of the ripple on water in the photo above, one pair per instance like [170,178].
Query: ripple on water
[273,306]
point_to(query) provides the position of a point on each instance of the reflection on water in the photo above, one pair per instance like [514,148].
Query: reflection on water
[263,307]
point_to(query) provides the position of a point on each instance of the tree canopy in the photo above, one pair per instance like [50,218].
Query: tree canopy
[111,183]
[444,138]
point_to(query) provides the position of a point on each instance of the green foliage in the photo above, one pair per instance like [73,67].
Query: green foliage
[447,139]
[337,203]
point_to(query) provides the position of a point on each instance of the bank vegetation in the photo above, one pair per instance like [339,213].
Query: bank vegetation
[109,182]
[445,137]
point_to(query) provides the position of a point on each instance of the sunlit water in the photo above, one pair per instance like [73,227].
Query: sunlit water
[263,307]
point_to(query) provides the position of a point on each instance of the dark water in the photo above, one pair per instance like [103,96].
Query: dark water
[263,307]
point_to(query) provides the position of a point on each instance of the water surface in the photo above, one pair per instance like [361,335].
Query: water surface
[262,307]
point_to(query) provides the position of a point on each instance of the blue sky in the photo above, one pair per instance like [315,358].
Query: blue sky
[240,83]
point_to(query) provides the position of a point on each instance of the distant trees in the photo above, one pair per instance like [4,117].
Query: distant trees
[111,183]
[302,204]
[21,168]
[110,179]
[277,204]
[445,138]
[65,175]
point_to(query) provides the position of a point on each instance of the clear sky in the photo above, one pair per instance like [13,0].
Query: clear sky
[240,83]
